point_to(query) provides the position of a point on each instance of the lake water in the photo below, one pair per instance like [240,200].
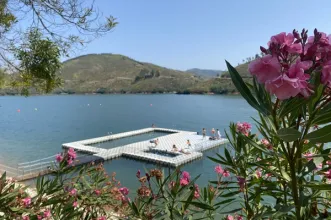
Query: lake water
[36,127]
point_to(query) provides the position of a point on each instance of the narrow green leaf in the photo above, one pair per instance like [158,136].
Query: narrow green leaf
[319,187]
[322,135]
[288,134]
[200,205]
[244,90]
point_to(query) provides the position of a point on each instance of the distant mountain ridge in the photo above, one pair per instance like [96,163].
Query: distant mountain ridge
[115,73]
[205,72]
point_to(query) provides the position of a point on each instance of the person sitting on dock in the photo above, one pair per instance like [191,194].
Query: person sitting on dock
[156,142]
[174,148]
[185,151]
[188,144]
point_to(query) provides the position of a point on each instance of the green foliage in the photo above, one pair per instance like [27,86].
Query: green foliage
[39,62]
[30,53]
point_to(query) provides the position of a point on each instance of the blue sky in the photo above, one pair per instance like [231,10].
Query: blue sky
[182,34]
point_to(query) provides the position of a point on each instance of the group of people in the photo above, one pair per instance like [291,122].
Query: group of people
[183,150]
[215,134]
[174,147]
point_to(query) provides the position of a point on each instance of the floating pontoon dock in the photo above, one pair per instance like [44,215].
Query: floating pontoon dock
[144,150]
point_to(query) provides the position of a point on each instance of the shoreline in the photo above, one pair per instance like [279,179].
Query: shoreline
[125,93]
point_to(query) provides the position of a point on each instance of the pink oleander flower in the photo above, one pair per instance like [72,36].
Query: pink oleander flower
[308,156]
[26,217]
[183,181]
[72,154]
[186,175]
[124,191]
[285,87]
[265,69]
[258,173]
[327,174]
[75,204]
[239,217]
[241,183]
[70,161]
[286,41]
[26,201]
[226,173]
[326,74]
[196,192]
[229,217]
[267,144]
[219,169]
[73,192]
[243,128]
[39,217]
[47,214]
[59,158]
[138,174]
[328,162]
[172,184]
[102,218]
[319,166]
[98,192]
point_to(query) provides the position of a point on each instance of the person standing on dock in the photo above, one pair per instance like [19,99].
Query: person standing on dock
[203,133]
[218,134]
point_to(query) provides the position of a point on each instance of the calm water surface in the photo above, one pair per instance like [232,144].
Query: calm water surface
[44,123]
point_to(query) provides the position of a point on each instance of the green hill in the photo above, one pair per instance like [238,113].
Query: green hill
[113,73]
[110,73]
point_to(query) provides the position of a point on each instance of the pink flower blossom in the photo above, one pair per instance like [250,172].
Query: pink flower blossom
[266,143]
[102,218]
[72,154]
[75,204]
[26,217]
[328,162]
[229,217]
[183,182]
[98,192]
[59,158]
[226,173]
[239,217]
[219,170]
[243,128]
[47,214]
[282,39]
[327,174]
[186,175]
[196,191]
[26,201]
[39,217]
[326,74]
[309,156]
[172,184]
[73,192]
[124,191]
[265,69]
[241,183]
[70,161]
[258,173]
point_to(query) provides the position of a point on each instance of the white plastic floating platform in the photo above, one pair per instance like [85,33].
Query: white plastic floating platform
[144,150]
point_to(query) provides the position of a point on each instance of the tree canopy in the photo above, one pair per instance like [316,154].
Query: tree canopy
[35,34]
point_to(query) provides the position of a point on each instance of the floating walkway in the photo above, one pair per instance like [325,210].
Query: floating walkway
[141,150]
[144,150]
